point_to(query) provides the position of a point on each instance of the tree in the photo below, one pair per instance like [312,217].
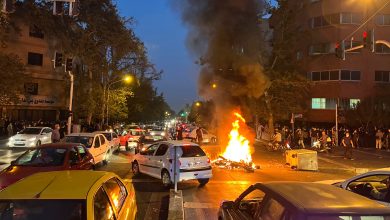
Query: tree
[12,78]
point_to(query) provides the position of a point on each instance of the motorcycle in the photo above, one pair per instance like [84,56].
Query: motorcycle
[317,146]
[275,146]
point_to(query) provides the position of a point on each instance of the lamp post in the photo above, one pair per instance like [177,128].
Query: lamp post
[70,102]
[127,79]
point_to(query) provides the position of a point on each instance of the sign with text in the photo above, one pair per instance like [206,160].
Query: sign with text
[38,100]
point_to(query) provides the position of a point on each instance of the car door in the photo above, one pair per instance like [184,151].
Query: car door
[247,206]
[159,159]
[95,150]
[104,145]
[146,162]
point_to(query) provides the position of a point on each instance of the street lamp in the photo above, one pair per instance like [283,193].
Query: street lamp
[197,104]
[127,79]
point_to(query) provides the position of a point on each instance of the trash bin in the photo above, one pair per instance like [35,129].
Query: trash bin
[302,159]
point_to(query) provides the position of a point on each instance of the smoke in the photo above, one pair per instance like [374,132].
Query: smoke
[226,37]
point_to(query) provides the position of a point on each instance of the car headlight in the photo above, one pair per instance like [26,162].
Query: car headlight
[32,139]
[162,133]
[11,139]
[152,133]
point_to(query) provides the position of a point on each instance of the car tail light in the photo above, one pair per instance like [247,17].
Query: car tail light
[208,160]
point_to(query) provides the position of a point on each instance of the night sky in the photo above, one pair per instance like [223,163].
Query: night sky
[164,35]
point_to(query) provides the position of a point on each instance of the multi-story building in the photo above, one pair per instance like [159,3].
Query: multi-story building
[363,73]
[46,94]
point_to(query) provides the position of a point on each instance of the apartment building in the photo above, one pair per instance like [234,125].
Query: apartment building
[363,73]
[46,90]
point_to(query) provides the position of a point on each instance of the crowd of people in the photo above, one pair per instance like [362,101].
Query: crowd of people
[326,137]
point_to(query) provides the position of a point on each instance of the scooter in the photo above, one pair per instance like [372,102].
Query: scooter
[319,148]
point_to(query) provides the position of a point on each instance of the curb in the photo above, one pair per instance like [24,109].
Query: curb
[176,207]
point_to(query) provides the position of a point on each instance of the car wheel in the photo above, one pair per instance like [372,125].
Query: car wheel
[106,158]
[38,143]
[135,168]
[166,179]
[203,182]
[127,146]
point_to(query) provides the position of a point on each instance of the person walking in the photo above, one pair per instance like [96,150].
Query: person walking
[10,129]
[378,139]
[348,145]
[199,135]
[387,140]
[300,139]
[55,134]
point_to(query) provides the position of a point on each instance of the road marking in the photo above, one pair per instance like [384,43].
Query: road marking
[200,205]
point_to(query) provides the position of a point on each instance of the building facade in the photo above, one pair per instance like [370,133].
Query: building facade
[45,95]
[363,73]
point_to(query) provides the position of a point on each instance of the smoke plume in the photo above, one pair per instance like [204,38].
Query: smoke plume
[225,34]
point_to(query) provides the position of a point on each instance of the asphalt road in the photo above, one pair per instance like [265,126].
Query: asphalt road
[203,202]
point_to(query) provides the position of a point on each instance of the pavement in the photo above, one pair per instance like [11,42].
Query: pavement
[203,202]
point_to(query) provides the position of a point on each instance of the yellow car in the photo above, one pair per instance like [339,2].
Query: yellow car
[69,195]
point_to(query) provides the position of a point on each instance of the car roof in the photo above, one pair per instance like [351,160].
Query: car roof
[317,198]
[179,143]
[60,145]
[386,169]
[55,185]
[82,134]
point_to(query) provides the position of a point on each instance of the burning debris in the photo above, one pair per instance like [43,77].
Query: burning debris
[238,152]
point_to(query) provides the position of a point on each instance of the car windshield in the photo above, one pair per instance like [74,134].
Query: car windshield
[152,139]
[42,157]
[192,151]
[348,217]
[108,136]
[87,141]
[30,131]
[37,209]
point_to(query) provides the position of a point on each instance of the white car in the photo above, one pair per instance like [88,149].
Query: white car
[363,184]
[31,137]
[96,144]
[113,140]
[156,161]
[207,136]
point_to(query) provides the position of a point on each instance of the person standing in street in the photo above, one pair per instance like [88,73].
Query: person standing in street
[348,145]
[180,133]
[378,139]
[10,129]
[199,135]
[55,134]
[387,140]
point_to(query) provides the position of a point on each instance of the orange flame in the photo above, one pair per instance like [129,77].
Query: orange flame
[238,148]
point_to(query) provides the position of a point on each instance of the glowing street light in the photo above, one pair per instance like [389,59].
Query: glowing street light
[197,104]
[214,86]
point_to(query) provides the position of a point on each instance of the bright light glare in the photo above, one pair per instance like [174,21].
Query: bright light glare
[128,79]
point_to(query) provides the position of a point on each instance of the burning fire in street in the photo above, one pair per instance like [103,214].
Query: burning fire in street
[238,152]
[238,149]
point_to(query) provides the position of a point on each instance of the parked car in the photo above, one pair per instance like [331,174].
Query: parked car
[48,157]
[300,201]
[31,137]
[113,140]
[64,195]
[155,161]
[207,136]
[96,143]
[374,185]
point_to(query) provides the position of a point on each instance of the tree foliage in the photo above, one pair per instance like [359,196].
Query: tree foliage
[102,44]
[12,77]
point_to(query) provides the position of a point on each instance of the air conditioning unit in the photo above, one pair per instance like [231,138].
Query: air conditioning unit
[302,159]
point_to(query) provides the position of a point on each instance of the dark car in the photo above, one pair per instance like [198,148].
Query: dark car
[49,157]
[301,201]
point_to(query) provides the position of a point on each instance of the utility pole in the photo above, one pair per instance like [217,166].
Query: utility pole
[336,138]
[70,102]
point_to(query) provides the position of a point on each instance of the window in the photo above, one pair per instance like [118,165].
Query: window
[35,59]
[383,19]
[322,48]
[350,75]
[108,136]
[36,32]
[192,151]
[97,142]
[73,156]
[102,208]
[116,191]
[161,150]
[382,76]
[316,76]
[334,75]
[351,18]
[252,200]
[318,103]
[31,88]
[272,210]
[382,48]
[150,150]
[373,187]
[324,75]
[102,139]
[330,103]
[82,152]
[299,55]
[42,157]
[353,103]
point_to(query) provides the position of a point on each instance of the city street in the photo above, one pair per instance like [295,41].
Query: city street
[203,202]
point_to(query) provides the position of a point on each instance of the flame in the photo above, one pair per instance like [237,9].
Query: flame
[238,148]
